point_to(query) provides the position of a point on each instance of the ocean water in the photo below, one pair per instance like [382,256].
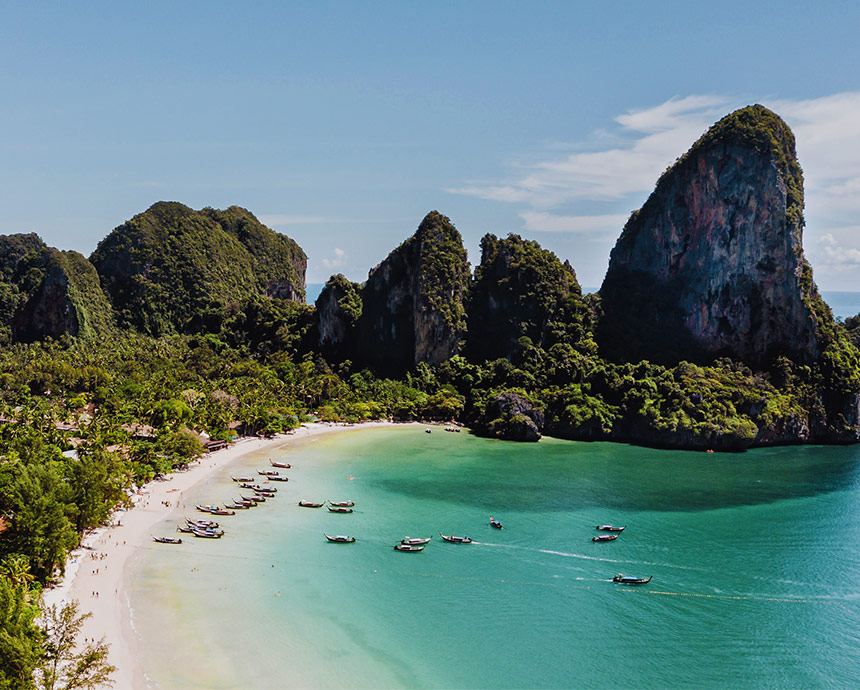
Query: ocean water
[755,559]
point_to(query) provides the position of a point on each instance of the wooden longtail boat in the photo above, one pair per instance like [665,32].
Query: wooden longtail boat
[202,523]
[284,465]
[339,539]
[339,509]
[415,541]
[342,504]
[242,479]
[268,473]
[408,547]
[610,528]
[630,580]
[495,523]
[456,540]
[311,504]
[605,537]
[273,478]
[208,534]
[167,540]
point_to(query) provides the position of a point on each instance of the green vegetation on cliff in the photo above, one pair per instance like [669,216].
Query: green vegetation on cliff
[167,265]
[522,291]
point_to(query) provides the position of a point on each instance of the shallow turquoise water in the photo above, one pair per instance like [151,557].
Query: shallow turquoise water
[755,559]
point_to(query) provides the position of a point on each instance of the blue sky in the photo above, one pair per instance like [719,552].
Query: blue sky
[341,124]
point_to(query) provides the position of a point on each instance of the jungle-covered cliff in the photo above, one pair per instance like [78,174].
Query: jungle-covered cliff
[47,293]
[170,266]
[411,308]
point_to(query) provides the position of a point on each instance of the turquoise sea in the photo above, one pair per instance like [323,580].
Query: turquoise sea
[755,559]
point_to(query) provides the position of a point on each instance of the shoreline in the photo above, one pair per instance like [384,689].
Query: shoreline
[101,562]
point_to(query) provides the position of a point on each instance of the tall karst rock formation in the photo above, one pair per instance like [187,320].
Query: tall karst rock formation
[712,264]
[410,310]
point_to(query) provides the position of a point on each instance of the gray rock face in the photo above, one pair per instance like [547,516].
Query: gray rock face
[410,310]
[712,264]
[513,418]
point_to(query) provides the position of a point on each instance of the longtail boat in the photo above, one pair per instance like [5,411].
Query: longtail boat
[456,540]
[408,547]
[605,537]
[167,540]
[415,541]
[311,504]
[339,509]
[339,539]
[630,580]
[284,465]
[610,528]
[342,504]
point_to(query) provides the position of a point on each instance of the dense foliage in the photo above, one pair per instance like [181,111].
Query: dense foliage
[169,264]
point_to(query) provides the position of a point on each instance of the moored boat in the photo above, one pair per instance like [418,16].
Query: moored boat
[273,478]
[208,534]
[339,509]
[415,541]
[202,523]
[311,504]
[408,547]
[456,540]
[254,499]
[605,537]
[242,479]
[222,511]
[268,473]
[167,540]
[237,506]
[630,580]
[339,539]
[342,504]
[610,528]
[284,465]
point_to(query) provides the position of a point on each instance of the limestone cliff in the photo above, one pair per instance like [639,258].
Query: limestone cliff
[411,306]
[55,293]
[712,264]
[338,308]
[166,266]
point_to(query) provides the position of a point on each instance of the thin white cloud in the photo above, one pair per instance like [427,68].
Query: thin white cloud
[338,261]
[832,256]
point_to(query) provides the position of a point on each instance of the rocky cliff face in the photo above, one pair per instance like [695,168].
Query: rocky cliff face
[410,310]
[169,264]
[56,293]
[519,290]
[712,264]
[338,307]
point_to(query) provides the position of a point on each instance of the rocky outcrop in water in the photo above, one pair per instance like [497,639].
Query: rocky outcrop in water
[712,264]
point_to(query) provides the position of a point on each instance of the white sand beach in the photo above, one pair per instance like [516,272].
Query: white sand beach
[96,573]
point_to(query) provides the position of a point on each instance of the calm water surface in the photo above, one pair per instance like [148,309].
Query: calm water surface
[755,560]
